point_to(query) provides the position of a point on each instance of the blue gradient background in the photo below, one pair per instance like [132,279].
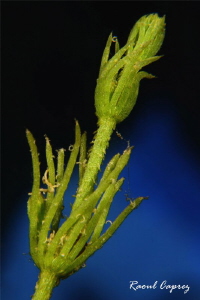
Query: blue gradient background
[158,241]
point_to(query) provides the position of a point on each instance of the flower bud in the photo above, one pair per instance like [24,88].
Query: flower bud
[119,77]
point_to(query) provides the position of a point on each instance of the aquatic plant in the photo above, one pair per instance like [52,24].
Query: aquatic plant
[59,250]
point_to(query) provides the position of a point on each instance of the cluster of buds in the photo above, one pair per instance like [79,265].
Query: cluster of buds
[63,250]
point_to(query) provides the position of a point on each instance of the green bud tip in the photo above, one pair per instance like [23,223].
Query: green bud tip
[119,77]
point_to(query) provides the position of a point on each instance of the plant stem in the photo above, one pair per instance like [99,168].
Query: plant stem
[44,287]
[96,156]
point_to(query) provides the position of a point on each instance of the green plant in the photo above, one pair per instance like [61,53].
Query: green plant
[60,250]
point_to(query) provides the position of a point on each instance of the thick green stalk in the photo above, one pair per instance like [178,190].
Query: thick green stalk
[101,141]
[44,287]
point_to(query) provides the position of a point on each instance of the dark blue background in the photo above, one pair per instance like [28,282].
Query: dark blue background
[51,53]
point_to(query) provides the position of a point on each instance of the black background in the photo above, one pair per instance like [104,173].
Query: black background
[51,54]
